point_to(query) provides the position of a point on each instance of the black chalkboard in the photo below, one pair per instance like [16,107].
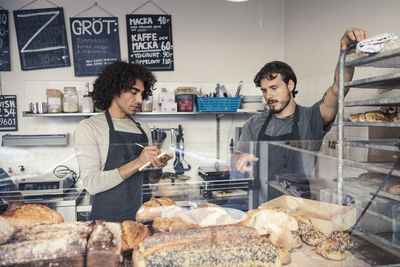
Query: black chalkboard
[8,113]
[150,41]
[4,42]
[95,43]
[42,39]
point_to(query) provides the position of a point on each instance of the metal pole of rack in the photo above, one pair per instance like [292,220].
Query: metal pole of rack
[340,119]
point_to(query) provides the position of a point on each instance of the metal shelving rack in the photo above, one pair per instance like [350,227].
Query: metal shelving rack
[389,59]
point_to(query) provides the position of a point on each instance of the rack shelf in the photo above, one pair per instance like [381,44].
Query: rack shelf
[388,145]
[390,81]
[374,102]
[389,59]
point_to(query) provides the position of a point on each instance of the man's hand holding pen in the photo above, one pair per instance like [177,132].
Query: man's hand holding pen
[152,157]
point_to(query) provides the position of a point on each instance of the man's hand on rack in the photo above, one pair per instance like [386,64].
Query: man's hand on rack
[352,35]
[241,161]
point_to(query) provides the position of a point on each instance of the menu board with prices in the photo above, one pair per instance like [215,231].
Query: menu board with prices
[95,43]
[150,41]
[4,42]
[8,113]
[42,39]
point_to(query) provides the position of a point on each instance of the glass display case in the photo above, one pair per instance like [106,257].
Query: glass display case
[51,176]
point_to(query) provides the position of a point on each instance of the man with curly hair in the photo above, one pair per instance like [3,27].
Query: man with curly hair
[114,146]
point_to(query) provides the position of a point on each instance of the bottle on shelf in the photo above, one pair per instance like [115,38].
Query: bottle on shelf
[87,101]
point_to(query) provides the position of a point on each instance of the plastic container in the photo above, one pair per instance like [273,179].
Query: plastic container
[227,104]
[185,98]
[70,100]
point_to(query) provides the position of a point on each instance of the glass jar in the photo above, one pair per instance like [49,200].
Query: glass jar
[70,100]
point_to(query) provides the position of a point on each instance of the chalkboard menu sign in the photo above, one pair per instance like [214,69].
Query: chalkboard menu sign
[150,41]
[42,39]
[8,113]
[4,42]
[95,43]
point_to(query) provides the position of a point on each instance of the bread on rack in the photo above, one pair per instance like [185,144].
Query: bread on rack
[393,186]
[104,245]
[370,116]
[228,245]
[31,214]
[6,230]
[132,234]
[153,208]
[330,249]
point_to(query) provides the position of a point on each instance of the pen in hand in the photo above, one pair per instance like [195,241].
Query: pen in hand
[148,163]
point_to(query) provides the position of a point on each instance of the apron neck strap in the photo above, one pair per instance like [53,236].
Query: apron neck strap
[109,120]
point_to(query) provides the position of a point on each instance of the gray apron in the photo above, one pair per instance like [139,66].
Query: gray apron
[122,201]
[280,160]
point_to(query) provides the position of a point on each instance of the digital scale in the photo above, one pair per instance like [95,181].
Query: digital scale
[45,184]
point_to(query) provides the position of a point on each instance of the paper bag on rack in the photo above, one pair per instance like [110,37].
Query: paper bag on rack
[325,216]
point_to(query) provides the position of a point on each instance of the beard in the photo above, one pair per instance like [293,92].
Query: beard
[285,103]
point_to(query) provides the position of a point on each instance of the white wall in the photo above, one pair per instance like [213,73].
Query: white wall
[215,41]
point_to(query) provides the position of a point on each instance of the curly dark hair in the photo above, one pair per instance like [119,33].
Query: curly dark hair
[119,76]
[270,71]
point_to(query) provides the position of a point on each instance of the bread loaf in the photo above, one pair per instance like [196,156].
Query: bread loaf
[104,245]
[132,234]
[211,215]
[192,236]
[31,214]
[330,249]
[6,230]
[215,246]
[46,247]
[153,209]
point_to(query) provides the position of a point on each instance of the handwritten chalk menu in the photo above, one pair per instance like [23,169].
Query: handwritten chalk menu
[42,39]
[150,41]
[8,113]
[95,43]
[4,42]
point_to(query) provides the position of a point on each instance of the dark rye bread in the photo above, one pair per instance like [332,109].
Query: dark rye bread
[104,245]
[241,251]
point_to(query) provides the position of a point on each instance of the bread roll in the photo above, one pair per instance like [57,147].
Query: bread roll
[284,256]
[392,187]
[153,208]
[330,249]
[313,237]
[344,239]
[6,230]
[215,246]
[132,234]
[31,214]
[304,223]
[104,245]
[355,117]
[372,177]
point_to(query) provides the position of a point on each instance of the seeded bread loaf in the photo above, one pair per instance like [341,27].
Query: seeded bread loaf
[330,249]
[230,245]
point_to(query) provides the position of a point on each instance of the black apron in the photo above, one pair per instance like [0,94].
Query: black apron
[122,201]
[280,160]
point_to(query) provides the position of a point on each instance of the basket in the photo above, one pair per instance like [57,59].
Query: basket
[218,103]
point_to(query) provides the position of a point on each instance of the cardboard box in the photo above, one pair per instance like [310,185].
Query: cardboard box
[325,216]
